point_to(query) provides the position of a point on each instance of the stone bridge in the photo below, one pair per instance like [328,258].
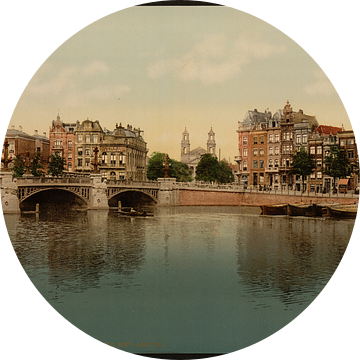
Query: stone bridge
[92,190]
[97,194]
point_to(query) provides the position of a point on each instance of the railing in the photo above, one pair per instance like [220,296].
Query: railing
[132,183]
[53,180]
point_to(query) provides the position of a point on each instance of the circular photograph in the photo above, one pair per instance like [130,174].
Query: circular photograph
[179,180]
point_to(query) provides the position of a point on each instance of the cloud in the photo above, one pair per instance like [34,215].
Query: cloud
[321,86]
[71,85]
[213,60]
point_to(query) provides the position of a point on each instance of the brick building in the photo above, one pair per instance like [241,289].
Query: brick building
[319,144]
[62,141]
[21,143]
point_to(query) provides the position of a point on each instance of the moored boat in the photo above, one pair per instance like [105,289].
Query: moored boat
[343,211]
[301,210]
[277,209]
[320,209]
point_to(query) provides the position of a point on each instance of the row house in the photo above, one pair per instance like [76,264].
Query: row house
[62,141]
[319,144]
[21,144]
[267,144]
[347,143]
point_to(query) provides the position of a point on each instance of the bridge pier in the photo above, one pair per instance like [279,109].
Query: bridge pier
[168,193]
[9,194]
[97,197]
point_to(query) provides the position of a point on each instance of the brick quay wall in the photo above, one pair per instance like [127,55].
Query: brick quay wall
[191,197]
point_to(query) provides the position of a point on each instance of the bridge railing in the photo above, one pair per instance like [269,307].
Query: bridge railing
[52,180]
[133,183]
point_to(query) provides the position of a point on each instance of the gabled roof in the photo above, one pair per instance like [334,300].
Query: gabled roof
[198,150]
[327,130]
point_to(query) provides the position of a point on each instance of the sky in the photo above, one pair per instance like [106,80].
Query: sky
[166,68]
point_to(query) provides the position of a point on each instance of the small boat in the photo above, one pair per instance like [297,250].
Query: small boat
[134,213]
[320,209]
[343,211]
[277,209]
[301,210]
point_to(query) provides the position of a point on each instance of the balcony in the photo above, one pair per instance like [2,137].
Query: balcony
[237,158]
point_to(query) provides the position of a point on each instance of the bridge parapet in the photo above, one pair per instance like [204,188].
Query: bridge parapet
[23,181]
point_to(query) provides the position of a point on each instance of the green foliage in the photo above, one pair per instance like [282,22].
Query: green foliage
[36,165]
[156,168]
[303,164]
[337,164]
[211,170]
[19,166]
[56,165]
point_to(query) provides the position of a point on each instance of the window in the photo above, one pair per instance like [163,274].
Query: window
[255,140]
[261,164]
[122,158]
[319,175]
[261,152]
[255,164]
[69,144]
[103,158]
[350,154]
[270,138]
[304,139]
[318,163]
[277,138]
[245,152]
[95,138]
[270,163]
[245,140]
[112,159]
[121,176]
[261,177]
[276,162]
[69,166]
[87,151]
[298,139]
[261,139]
[312,176]
[271,150]
[319,150]
[58,144]
[87,162]
[284,162]
[87,138]
[255,152]
[284,136]
[80,162]
[276,150]
[350,142]
[69,155]
[79,138]
[343,142]
[80,151]
[312,150]
[287,136]
[312,188]
[245,166]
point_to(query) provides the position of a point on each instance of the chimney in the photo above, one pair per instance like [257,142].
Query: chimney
[35,132]
[20,127]
[44,133]
[12,127]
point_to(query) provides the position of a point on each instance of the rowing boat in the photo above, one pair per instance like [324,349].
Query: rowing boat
[343,211]
[277,209]
[301,210]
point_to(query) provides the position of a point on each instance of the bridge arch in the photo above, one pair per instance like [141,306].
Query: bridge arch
[31,193]
[132,197]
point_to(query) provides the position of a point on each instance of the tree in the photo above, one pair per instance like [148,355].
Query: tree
[56,165]
[211,170]
[156,168]
[337,164]
[36,165]
[303,164]
[18,166]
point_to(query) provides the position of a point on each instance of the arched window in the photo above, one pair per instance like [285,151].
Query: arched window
[112,159]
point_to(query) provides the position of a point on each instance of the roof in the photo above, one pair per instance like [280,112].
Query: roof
[198,150]
[327,130]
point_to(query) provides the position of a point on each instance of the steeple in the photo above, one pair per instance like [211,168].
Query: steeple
[185,146]
[211,144]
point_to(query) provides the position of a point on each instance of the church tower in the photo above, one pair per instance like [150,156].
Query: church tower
[211,144]
[185,147]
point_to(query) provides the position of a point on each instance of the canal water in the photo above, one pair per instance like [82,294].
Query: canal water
[186,280]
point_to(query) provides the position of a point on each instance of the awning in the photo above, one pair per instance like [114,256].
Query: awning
[343,181]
